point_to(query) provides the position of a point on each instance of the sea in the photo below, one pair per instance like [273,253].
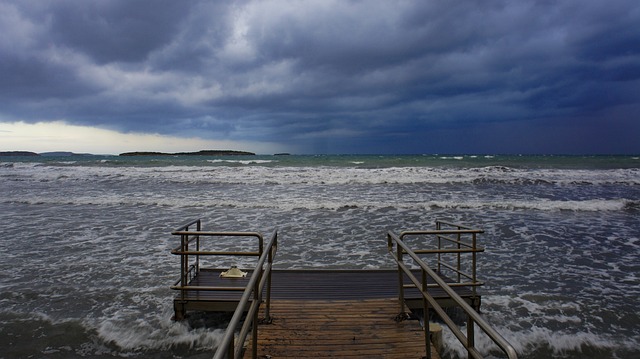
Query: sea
[85,242]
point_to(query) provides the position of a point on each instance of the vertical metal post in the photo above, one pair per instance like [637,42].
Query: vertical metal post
[186,259]
[257,295]
[231,350]
[459,255]
[198,247]
[183,265]
[425,315]
[438,227]
[254,329]
[267,309]
[470,334]
[473,260]
[400,279]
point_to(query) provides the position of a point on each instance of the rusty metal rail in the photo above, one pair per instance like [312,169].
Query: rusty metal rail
[473,317]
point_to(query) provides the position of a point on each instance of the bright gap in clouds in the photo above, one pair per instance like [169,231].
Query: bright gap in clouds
[59,136]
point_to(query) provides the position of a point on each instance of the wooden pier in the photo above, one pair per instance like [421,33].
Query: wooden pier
[325,313]
[339,329]
[311,285]
[334,313]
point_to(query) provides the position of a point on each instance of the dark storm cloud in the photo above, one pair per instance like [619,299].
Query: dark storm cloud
[343,76]
[108,31]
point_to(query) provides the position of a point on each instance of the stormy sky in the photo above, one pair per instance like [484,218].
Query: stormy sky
[321,76]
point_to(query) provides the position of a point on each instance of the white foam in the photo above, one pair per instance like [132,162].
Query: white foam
[327,175]
[298,182]
[292,201]
[129,333]
[529,340]
[244,162]
[569,221]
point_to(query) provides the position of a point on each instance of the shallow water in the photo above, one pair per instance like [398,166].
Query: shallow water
[85,242]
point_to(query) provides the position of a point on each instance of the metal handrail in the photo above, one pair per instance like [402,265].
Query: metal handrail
[185,227]
[456,236]
[187,237]
[259,279]
[229,346]
[473,317]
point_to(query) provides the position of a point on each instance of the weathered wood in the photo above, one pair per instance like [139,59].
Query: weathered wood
[338,329]
[310,285]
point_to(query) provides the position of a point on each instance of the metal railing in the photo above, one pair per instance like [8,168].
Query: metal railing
[230,347]
[253,292]
[428,302]
[455,251]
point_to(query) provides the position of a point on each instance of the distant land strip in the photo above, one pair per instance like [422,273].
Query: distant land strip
[18,153]
[199,153]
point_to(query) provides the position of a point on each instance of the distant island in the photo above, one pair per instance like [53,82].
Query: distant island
[44,154]
[199,153]
[63,154]
[18,153]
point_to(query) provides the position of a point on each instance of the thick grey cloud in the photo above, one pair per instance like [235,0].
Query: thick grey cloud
[333,76]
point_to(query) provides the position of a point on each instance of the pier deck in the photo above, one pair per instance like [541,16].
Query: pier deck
[338,329]
[334,313]
[311,285]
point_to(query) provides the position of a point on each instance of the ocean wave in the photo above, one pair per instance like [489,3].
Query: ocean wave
[128,332]
[553,327]
[131,334]
[243,162]
[632,205]
[293,203]
[543,205]
[330,175]
[539,341]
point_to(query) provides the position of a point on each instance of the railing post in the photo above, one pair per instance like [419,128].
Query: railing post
[184,240]
[231,351]
[267,309]
[254,329]
[400,280]
[198,228]
[438,227]
[473,262]
[470,335]
[473,317]
[459,237]
[425,315]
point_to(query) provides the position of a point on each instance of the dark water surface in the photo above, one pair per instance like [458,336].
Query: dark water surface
[85,242]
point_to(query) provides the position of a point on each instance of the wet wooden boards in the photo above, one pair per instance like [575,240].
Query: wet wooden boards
[338,329]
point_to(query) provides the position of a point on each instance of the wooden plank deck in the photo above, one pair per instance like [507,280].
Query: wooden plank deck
[310,285]
[361,328]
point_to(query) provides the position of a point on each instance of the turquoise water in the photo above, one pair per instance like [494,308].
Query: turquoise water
[518,161]
[86,240]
